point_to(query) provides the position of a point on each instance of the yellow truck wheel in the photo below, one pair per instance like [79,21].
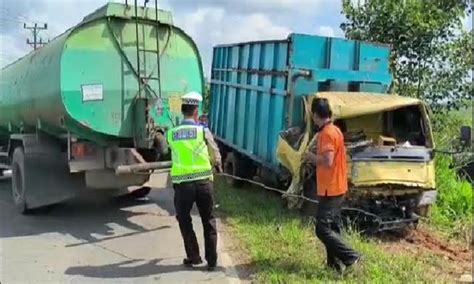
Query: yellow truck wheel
[423,211]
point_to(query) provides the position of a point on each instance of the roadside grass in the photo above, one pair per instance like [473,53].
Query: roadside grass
[452,213]
[283,247]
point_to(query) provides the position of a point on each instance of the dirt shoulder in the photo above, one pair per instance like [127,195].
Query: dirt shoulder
[236,249]
[452,259]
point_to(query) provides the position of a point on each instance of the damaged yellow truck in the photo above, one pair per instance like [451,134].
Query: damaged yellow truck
[390,155]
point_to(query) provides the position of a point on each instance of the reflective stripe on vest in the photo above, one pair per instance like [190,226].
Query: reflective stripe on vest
[190,157]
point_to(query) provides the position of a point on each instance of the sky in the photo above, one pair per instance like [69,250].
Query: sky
[208,22]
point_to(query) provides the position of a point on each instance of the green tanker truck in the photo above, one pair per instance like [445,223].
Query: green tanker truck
[89,109]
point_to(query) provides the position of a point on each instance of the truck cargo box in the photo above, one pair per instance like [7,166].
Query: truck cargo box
[256,87]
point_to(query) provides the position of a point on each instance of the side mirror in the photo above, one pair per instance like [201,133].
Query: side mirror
[466,135]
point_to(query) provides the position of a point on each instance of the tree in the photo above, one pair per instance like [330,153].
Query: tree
[206,97]
[431,55]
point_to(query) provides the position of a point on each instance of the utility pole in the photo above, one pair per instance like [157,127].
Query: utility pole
[35,31]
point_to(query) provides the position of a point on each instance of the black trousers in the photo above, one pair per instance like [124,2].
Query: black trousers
[185,195]
[328,222]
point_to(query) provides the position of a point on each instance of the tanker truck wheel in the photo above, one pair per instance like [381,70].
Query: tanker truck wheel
[19,190]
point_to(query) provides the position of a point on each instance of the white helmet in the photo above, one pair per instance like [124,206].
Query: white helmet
[191,98]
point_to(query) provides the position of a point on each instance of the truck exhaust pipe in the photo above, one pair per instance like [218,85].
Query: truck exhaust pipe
[129,169]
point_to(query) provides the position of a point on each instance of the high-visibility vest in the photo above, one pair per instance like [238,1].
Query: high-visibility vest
[190,157]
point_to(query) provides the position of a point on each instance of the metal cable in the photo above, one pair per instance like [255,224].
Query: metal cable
[286,194]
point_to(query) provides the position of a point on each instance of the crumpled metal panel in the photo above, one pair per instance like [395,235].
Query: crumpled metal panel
[411,174]
[348,104]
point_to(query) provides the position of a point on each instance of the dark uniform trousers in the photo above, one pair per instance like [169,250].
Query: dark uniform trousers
[185,195]
[328,222]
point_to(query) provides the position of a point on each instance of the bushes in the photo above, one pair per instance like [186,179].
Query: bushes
[453,208]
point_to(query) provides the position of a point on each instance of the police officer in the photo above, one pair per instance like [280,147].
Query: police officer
[194,153]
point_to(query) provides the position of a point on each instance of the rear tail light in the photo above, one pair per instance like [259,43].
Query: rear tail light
[79,150]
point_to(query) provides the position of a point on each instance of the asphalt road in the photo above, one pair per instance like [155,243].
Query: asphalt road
[101,240]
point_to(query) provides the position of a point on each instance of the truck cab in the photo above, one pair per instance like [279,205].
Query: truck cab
[389,146]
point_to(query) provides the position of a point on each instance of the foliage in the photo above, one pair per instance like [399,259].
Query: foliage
[446,130]
[206,97]
[431,56]
[453,209]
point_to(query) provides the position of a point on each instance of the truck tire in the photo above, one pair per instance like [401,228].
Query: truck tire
[423,211]
[239,167]
[19,188]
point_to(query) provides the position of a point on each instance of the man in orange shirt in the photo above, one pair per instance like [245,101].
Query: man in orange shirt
[331,180]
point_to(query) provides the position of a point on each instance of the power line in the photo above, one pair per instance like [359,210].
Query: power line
[18,15]
[10,20]
[11,17]
[4,15]
[35,30]
[48,35]
[7,55]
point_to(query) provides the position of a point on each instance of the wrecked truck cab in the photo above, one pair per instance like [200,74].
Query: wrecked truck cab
[389,145]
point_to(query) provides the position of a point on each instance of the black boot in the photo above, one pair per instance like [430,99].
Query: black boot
[211,266]
[353,261]
[190,262]
[335,266]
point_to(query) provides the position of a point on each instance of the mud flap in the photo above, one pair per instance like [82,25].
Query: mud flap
[48,181]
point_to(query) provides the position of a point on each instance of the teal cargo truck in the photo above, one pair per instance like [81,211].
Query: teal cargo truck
[89,109]
[261,94]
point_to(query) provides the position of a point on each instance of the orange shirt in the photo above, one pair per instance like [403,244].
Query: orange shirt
[332,181]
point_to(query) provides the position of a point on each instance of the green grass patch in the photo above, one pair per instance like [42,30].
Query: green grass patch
[454,193]
[452,212]
[283,247]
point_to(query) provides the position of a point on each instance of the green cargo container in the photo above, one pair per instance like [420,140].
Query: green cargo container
[81,81]
[84,87]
